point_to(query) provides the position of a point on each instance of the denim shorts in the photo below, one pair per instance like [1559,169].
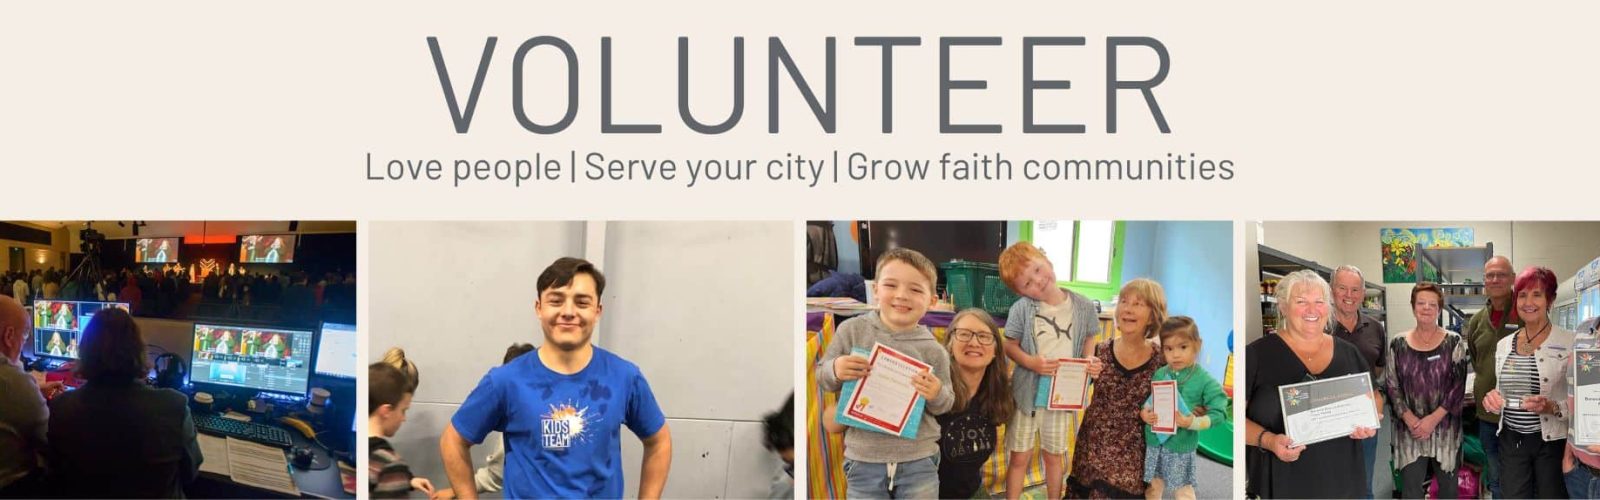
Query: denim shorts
[914,479]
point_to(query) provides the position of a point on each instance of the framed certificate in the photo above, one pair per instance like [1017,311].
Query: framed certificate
[1326,409]
[1164,402]
[1070,386]
[884,399]
[1586,397]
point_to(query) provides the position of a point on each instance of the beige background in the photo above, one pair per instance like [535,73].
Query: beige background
[190,110]
[1355,105]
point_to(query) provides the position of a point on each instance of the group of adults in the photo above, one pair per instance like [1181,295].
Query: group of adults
[1518,357]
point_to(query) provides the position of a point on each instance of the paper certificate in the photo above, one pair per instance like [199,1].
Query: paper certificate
[1164,402]
[1070,385]
[1327,409]
[1586,397]
[884,398]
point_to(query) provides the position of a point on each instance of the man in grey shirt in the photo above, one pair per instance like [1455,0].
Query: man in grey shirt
[23,414]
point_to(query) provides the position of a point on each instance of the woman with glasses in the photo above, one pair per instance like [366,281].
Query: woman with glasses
[983,402]
[1301,351]
[1426,382]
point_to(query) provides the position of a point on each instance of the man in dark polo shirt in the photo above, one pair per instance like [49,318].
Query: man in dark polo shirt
[1349,292]
[1483,331]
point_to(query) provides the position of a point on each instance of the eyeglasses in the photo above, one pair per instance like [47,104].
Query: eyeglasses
[1496,276]
[965,335]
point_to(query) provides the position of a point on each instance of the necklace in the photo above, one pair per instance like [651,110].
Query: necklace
[1305,349]
[1526,343]
[1427,339]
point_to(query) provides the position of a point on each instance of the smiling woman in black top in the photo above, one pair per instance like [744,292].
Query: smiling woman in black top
[983,399]
[1301,351]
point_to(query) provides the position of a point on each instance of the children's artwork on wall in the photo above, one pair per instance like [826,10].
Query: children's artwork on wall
[1399,248]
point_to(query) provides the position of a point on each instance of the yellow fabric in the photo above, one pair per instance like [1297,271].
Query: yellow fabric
[825,452]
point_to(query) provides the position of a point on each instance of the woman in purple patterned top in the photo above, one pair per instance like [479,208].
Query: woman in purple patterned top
[1426,382]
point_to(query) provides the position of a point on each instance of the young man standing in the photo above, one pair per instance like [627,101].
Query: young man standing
[562,409]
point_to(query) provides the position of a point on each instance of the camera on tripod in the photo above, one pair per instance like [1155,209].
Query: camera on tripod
[91,240]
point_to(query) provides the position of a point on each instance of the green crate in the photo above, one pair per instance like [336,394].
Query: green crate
[997,297]
[964,281]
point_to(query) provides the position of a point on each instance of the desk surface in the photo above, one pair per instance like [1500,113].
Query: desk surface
[323,483]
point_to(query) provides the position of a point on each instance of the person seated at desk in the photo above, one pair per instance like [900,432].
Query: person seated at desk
[23,413]
[117,436]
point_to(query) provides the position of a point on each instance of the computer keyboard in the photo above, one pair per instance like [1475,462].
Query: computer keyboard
[249,431]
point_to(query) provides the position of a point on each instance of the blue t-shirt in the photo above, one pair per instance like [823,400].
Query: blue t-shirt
[562,432]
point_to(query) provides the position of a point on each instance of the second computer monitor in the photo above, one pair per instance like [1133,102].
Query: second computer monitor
[59,324]
[263,359]
[336,351]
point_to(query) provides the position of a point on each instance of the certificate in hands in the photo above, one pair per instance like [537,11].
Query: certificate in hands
[1326,409]
[1586,397]
[1069,388]
[1164,402]
[884,400]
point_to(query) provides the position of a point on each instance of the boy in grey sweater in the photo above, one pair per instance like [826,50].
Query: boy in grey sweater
[879,465]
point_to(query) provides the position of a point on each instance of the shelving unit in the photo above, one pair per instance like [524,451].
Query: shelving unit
[1276,264]
[1459,272]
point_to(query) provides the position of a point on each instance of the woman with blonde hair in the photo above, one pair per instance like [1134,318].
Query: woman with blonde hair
[1110,458]
[1301,351]
[396,357]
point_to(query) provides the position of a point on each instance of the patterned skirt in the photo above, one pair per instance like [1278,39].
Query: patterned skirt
[1174,469]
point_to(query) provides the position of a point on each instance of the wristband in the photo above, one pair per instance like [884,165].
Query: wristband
[1261,439]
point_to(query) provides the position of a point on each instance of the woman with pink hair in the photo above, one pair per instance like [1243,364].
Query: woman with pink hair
[1531,397]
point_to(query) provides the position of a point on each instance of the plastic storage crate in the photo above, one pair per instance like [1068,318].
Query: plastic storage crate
[964,280]
[997,297]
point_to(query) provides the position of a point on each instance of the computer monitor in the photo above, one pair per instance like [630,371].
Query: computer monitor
[58,325]
[336,351]
[262,359]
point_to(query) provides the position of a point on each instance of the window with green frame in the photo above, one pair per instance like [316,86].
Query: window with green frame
[1087,255]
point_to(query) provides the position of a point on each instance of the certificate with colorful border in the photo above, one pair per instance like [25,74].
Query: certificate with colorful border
[1069,388]
[1164,402]
[885,399]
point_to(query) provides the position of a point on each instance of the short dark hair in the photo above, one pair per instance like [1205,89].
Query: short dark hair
[516,351]
[561,272]
[112,348]
[386,385]
[778,427]
[1427,286]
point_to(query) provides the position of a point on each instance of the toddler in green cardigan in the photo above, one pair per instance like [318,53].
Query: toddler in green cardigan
[1169,459]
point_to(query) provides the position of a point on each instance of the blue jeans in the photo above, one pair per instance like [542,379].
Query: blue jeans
[914,479]
[1581,483]
[1369,446]
[1491,453]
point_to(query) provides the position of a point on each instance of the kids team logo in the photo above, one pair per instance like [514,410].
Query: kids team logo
[563,424]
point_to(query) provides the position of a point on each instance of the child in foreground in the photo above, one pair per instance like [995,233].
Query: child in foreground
[879,465]
[1169,463]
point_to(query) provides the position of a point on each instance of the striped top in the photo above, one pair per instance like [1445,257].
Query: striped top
[1518,380]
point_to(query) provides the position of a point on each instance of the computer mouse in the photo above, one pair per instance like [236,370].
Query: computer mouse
[302,457]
